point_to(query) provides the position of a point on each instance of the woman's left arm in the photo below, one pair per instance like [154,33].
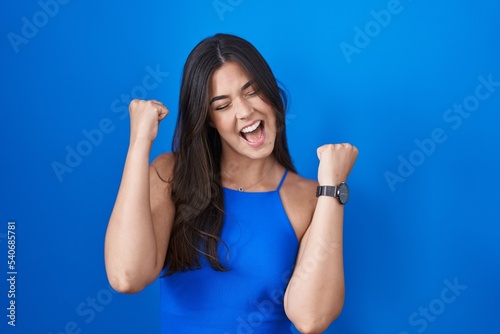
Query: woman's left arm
[315,293]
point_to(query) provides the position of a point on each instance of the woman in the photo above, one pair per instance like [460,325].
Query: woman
[240,240]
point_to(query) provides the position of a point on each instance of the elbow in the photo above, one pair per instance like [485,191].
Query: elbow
[128,280]
[125,287]
[313,324]
[311,329]
[125,284]
[317,321]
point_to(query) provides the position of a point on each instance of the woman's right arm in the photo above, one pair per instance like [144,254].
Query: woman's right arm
[139,228]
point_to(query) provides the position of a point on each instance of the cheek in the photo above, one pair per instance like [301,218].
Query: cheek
[273,123]
[272,131]
[223,124]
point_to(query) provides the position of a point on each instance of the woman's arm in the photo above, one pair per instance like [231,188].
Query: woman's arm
[315,293]
[140,224]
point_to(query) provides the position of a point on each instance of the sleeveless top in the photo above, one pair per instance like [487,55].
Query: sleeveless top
[260,255]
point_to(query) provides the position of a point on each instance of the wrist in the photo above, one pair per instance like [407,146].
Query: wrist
[331,179]
[331,182]
[141,143]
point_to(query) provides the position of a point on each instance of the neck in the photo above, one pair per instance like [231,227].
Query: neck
[248,174]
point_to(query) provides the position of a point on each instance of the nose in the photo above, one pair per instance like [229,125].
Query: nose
[243,109]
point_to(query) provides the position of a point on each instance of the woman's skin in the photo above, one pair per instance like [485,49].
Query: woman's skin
[141,222]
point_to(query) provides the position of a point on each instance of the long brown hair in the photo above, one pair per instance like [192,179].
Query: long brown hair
[196,182]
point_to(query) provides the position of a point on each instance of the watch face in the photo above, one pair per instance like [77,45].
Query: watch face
[343,193]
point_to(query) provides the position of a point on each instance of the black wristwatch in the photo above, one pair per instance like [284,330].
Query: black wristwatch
[341,192]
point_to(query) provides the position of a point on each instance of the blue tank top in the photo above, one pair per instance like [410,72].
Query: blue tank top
[260,255]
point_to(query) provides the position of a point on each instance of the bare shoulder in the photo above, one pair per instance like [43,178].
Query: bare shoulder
[299,199]
[163,166]
[160,187]
[304,189]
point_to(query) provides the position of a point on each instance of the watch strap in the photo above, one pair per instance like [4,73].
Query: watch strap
[327,191]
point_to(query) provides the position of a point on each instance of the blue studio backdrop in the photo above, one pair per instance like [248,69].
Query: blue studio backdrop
[415,85]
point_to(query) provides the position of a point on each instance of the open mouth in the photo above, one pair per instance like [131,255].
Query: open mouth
[253,133]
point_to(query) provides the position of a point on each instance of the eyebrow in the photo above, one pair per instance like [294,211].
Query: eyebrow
[221,97]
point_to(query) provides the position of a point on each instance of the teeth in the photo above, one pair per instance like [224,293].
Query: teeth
[251,127]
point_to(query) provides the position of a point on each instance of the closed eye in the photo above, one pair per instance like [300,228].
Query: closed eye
[222,107]
[252,93]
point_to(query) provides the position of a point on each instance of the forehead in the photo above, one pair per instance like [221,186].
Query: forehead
[229,77]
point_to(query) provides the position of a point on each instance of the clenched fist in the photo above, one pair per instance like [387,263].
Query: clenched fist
[336,162]
[144,118]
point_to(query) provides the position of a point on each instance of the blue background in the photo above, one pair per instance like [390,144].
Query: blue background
[405,242]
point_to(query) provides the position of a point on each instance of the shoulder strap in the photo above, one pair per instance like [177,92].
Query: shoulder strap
[282,180]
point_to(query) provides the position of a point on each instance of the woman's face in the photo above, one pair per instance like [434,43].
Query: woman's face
[245,122]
